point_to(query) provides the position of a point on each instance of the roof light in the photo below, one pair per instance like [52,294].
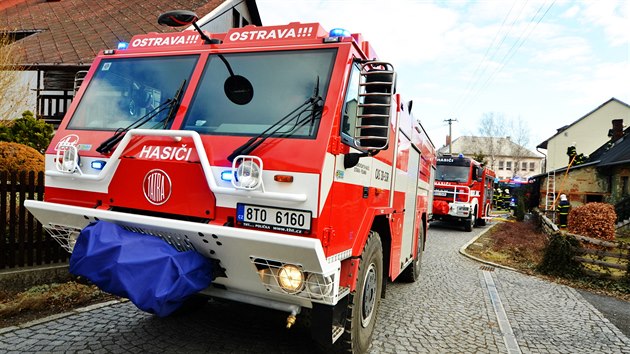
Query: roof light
[123,45]
[460,155]
[339,32]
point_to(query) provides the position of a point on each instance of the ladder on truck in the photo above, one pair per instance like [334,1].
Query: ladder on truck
[550,197]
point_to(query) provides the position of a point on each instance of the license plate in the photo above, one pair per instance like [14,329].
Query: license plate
[440,193]
[276,219]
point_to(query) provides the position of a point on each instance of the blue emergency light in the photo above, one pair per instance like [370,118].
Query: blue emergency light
[123,45]
[339,32]
[97,164]
[227,175]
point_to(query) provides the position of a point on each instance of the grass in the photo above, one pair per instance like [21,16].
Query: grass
[521,246]
[44,300]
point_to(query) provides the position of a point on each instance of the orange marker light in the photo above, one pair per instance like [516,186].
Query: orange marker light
[283,178]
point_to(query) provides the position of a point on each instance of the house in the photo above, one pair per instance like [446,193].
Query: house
[603,177]
[59,39]
[508,159]
[587,134]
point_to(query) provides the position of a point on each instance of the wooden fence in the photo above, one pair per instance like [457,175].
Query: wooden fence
[604,259]
[22,240]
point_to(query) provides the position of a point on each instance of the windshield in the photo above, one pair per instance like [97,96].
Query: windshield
[450,173]
[123,90]
[280,82]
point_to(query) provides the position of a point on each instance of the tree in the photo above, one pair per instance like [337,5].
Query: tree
[507,138]
[27,130]
[13,90]
[492,125]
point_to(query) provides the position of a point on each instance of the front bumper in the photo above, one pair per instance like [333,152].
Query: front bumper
[459,210]
[240,252]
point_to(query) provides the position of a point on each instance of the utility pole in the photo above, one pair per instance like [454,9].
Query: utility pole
[450,136]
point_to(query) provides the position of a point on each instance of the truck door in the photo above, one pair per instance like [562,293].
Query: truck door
[409,184]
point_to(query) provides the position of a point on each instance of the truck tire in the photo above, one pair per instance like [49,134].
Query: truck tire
[481,221]
[364,300]
[470,222]
[412,272]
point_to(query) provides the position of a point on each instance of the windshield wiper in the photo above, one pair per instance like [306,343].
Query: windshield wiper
[313,103]
[171,103]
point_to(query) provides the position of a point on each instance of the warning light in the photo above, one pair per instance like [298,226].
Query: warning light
[339,32]
[97,164]
[123,45]
[227,175]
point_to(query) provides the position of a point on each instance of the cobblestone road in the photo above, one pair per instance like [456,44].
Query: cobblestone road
[458,306]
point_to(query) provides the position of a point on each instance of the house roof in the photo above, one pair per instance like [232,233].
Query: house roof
[72,32]
[470,145]
[609,154]
[543,145]
[615,153]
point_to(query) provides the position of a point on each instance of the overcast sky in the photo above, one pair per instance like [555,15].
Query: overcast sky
[546,62]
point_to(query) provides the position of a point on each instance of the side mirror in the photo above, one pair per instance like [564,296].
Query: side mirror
[177,18]
[479,174]
[376,89]
[180,18]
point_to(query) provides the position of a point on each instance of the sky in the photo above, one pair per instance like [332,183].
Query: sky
[544,63]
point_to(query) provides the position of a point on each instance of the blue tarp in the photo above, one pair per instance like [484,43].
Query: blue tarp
[143,268]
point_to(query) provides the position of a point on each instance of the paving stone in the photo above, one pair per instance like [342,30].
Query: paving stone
[448,310]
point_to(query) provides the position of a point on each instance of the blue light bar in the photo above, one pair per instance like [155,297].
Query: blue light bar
[227,175]
[123,45]
[97,164]
[339,32]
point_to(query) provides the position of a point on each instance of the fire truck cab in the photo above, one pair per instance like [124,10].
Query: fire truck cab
[279,160]
[463,191]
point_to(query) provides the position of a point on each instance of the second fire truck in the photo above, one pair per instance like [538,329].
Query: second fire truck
[275,166]
[463,191]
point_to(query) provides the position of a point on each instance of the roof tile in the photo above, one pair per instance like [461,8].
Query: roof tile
[73,31]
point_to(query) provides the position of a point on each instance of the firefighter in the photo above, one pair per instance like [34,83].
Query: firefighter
[497,198]
[563,211]
[506,199]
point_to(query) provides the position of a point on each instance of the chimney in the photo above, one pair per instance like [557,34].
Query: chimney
[617,130]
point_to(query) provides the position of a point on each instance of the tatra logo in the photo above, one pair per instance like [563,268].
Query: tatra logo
[178,153]
[67,140]
[157,187]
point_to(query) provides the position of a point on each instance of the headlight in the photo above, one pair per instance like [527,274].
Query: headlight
[67,159]
[291,278]
[318,286]
[248,173]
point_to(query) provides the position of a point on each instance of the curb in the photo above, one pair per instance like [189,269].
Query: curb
[462,251]
[61,315]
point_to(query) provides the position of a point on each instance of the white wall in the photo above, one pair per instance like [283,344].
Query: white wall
[20,97]
[588,134]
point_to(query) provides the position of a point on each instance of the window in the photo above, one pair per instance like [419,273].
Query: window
[124,90]
[524,166]
[625,189]
[500,165]
[236,18]
[282,94]
[532,166]
[508,165]
[349,119]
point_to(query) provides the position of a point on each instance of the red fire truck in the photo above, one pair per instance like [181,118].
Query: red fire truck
[463,191]
[281,155]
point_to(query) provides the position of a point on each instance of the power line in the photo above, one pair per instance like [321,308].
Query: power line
[520,40]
